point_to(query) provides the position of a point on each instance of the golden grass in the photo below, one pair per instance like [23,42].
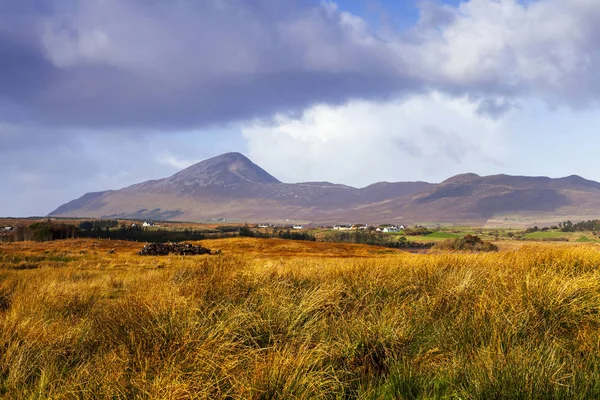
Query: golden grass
[282,319]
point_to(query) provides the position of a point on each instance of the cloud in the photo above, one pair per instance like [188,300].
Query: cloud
[362,142]
[182,64]
[545,48]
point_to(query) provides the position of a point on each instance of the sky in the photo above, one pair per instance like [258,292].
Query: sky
[102,94]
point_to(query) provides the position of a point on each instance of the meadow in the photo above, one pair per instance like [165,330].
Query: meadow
[272,318]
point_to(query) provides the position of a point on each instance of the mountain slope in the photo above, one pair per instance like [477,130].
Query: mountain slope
[233,187]
[230,186]
[475,199]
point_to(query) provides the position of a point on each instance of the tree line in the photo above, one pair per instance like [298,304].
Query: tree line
[110,229]
[41,232]
[280,233]
[374,239]
[592,225]
[103,229]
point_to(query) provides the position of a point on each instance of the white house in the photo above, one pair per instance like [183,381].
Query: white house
[8,228]
[263,225]
[147,224]
[298,227]
[388,228]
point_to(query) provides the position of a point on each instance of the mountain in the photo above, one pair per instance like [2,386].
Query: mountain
[497,200]
[230,169]
[233,187]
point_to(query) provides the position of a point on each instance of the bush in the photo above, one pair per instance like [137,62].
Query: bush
[290,235]
[245,231]
[467,243]
[417,231]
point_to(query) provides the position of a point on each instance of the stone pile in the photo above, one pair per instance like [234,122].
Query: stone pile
[164,249]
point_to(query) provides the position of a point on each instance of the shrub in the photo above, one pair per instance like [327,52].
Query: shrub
[467,243]
[417,231]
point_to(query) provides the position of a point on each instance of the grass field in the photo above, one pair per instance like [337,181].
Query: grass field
[283,319]
[548,235]
[444,235]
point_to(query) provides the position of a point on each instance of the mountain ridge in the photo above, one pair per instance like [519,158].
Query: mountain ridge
[232,186]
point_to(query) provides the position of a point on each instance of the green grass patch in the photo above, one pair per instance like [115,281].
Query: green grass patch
[444,235]
[424,239]
[546,235]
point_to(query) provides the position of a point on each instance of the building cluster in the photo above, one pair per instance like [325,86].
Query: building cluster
[296,226]
[390,228]
[362,227]
[342,227]
[146,224]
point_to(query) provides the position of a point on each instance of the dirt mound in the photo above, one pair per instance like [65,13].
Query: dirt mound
[164,249]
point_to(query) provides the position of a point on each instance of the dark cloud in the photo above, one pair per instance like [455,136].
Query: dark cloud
[182,63]
[495,107]
[165,65]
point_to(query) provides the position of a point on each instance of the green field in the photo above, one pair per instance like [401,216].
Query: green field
[585,239]
[444,235]
[547,235]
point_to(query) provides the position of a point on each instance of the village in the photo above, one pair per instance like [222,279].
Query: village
[386,228]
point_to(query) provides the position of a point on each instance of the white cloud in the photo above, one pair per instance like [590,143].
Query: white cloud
[428,137]
[545,47]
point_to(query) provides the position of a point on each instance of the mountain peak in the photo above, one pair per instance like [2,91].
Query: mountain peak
[223,170]
[578,181]
[462,178]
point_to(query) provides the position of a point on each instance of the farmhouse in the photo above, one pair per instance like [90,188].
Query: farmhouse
[8,228]
[147,224]
[388,228]
[298,227]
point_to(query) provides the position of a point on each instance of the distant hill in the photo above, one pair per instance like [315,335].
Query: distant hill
[233,187]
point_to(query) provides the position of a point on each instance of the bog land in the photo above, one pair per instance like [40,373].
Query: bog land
[273,318]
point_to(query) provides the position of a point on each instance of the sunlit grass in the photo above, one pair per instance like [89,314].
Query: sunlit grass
[281,319]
